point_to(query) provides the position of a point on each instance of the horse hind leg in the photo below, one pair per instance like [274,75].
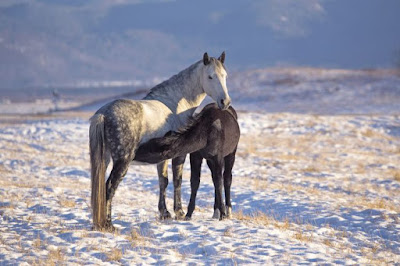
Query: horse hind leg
[120,167]
[229,161]
[162,169]
[215,166]
[177,168]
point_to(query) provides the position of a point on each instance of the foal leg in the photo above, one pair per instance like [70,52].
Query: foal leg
[162,169]
[216,172]
[177,167]
[119,170]
[195,167]
[229,161]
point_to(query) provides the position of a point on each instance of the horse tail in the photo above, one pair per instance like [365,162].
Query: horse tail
[98,170]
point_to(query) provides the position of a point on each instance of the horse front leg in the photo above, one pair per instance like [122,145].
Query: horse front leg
[195,169]
[119,170]
[162,169]
[216,173]
[177,168]
[229,161]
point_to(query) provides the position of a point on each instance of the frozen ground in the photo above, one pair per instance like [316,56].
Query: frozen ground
[312,183]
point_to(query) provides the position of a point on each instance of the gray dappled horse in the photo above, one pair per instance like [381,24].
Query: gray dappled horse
[118,128]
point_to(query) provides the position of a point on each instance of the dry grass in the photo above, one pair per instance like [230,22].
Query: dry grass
[252,217]
[28,202]
[328,243]
[115,254]
[302,237]
[311,169]
[84,234]
[228,232]
[290,158]
[260,184]
[55,257]
[136,238]
[283,225]
[263,219]
[37,243]
[376,204]
[380,204]
[369,133]
[4,170]
[395,174]
[18,184]
[178,254]
[360,168]
[66,203]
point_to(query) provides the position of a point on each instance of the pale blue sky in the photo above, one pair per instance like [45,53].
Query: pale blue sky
[43,41]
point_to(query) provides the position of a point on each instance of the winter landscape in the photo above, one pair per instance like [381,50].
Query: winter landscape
[316,179]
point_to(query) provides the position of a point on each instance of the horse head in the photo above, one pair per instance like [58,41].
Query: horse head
[214,80]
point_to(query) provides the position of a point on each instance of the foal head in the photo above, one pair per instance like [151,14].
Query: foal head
[214,80]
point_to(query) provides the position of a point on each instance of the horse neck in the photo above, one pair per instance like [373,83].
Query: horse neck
[182,93]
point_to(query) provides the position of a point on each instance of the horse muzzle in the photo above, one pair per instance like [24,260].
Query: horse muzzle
[224,103]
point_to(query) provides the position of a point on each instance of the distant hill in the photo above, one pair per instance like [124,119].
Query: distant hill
[64,42]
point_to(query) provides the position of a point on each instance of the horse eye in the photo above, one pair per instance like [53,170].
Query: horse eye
[209,77]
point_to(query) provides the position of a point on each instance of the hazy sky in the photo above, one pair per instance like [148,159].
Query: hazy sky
[46,41]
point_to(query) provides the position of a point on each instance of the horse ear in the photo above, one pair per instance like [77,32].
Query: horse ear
[206,59]
[222,57]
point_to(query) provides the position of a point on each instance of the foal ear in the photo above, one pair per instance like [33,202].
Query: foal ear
[206,59]
[222,57]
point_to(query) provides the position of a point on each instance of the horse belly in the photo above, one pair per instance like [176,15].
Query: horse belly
[155,121]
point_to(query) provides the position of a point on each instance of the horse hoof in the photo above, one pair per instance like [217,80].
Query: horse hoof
[179,214]
[108,227]
[217,214]
[165,215]
[229,213]
[188,218]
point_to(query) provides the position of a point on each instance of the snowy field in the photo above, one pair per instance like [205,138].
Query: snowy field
[316,181]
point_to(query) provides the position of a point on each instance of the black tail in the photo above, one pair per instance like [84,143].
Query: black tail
[177,144]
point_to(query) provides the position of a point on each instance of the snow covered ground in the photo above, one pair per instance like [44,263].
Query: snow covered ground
[314,182]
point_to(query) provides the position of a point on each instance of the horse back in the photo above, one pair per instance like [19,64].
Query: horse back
[223,130]
[128,123]
[231,131]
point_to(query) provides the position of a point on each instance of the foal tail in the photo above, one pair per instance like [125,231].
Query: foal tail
[98,170]
[177,144]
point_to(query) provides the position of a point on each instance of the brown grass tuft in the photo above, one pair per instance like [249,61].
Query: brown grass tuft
[115,255]
[368,133]
[37,243]
[395,174]
[135,237]
[66,203]
[282,225]
[302,237]
[376,204]
[311,169]
[55,257]
[261,218]
[228,232]
[4,170]
[328,243]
